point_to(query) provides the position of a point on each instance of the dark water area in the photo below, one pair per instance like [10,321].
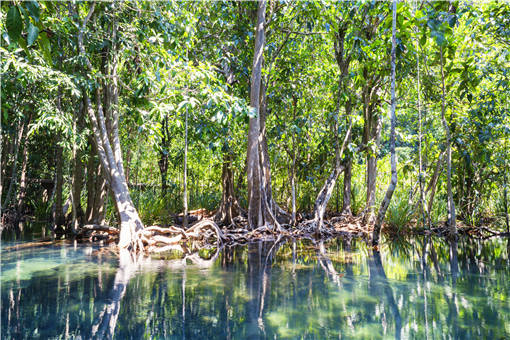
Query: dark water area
[419,288]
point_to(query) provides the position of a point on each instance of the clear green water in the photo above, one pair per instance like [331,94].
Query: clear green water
[291,290]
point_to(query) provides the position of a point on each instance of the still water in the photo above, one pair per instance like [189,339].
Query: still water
[422,288]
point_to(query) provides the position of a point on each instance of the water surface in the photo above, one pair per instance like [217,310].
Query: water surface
[424,289]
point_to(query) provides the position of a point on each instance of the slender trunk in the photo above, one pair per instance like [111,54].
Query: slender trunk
[451,205]
[18,140]
[78,174]
[257,203]
[420,158]
[96,189]
[185,174]
[1,170]
[163,155]
[22,182]
[324,195]
[393,182]
[505,200]
[346,205]
[293,189]
[58,218]
[373,125]
[293,168]
[432,187]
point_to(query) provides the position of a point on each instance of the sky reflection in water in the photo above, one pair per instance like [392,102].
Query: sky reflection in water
[413,289]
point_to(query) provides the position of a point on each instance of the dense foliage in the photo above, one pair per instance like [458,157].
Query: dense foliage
[176,69]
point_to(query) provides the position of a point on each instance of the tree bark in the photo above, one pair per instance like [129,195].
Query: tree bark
[420,158]
[505,200]
[451,204]
[432,187]
[185,174]
[58,212]
[346,205]
[18,140]
[260,202]
[229,206]
[78,172]
[393,182]
[110,157]
[22,183]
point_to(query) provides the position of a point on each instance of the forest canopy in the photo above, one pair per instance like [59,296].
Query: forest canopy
[273,114]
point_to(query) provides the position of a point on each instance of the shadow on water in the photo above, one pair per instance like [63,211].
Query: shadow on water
[422,288]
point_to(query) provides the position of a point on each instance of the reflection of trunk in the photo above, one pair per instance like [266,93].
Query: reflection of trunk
[378,282]
[258,281]
[393,182]
[327,265]
[104,325]
[452,302]
[451,205]
[253,283]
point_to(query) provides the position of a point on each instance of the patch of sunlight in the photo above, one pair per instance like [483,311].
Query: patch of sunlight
[24,270]
[279,321]
[368,331]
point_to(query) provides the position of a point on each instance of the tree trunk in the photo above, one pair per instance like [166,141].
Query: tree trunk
[229,206]
[185,174]
[432,186]
[22,183]
[393,182]
[372,133]
[420,158]
[163,155]
[451,205]
[258,175]
[78,172]
[18,140]
[111,157]
[505,200]
[346,205]
[58,217]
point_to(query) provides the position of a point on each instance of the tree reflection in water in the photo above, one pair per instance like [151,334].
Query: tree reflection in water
[426,288]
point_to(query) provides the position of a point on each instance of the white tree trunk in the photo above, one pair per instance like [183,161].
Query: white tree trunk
[451,205]
[393,182]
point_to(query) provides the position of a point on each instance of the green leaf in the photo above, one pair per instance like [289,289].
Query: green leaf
[33,32]
[46,47]
[423,40]
[34,9]
[14,24]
